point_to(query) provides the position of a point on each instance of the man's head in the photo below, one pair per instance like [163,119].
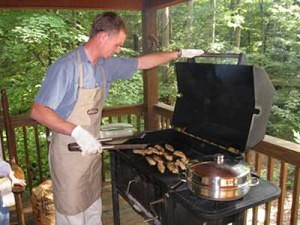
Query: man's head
[108,22]
[109,32]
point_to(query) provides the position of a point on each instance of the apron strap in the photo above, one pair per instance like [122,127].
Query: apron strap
[80,73]
[80,70]
[103,79]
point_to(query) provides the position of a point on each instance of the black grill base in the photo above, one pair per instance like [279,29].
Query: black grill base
[133,178]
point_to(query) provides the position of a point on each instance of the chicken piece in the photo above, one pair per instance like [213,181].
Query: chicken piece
[180,164]
[157,152]
[160,148]
[168,156]
[158,159]
[183,157]
[161,167]
[140,151]
[169,147]
[179,153]
[150,160]
[152,150]
[172,167]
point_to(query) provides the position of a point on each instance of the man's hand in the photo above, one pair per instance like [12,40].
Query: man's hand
[86,141]
[16,181]
[191,53]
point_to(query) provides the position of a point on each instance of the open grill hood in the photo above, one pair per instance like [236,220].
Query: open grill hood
[228,105]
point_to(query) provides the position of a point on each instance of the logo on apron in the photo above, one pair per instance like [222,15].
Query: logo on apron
[92,111]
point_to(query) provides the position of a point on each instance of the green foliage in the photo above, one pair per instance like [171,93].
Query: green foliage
[285,118]
[129,91]
[126,91]
[29,47]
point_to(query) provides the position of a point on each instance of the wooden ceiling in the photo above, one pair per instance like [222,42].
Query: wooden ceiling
[88,4]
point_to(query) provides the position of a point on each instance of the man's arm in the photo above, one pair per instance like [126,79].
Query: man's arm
[155,59]
[47,117]
[151,60]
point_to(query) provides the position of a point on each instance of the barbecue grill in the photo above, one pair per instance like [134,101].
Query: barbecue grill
[220,109]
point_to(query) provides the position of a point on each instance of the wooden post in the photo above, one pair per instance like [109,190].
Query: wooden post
[10,133]
[150,77]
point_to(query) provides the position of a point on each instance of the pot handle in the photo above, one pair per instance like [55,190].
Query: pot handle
[254,179]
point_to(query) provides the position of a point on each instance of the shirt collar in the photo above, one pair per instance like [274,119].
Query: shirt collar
[85,58]
[83,54]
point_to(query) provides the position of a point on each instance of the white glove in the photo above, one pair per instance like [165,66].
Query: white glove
[191,53]
[86,141]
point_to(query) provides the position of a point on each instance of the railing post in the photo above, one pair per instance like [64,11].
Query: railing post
[10,134]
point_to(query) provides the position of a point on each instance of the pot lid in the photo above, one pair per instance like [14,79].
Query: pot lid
[225,104]
[222,168]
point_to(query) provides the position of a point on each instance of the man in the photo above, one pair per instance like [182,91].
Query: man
[70,103]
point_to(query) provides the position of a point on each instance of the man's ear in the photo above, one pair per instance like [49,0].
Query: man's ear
[103,36]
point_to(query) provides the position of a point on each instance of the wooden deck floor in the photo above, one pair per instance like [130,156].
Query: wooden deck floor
[127,214]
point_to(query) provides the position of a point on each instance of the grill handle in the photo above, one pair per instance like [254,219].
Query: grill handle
[240,56]
[161,200]
[136,179]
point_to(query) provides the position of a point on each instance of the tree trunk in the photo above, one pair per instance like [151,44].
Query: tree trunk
[165,28]
[231,32]
[238,29]
[263,31]
[189,21]
[165,39]
[213,19]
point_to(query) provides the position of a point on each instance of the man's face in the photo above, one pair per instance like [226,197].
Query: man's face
[111,43]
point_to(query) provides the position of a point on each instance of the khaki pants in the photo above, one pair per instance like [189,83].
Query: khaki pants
[91,216]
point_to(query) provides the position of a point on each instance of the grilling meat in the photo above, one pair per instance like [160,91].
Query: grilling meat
[182,156]
[172,167]
[150,160]
[152,150]
[169,147]
[168,157]
[160,148]
[158,159]
[140,151]
[181,164]
[161,167]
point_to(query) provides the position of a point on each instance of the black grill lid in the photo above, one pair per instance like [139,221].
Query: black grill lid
[228,105]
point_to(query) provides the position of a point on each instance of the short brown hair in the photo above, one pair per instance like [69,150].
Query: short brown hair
[107,22]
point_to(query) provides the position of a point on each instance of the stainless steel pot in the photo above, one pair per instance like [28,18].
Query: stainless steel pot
[221,179]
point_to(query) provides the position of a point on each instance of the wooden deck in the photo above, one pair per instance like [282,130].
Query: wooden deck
[128,215]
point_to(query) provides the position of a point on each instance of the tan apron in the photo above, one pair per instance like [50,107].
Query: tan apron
[77,179]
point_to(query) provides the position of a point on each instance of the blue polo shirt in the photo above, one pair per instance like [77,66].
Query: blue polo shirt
[60,86]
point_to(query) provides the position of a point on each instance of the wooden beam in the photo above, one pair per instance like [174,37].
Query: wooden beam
[73,4]
[86,4]
[164,3]
[150,77]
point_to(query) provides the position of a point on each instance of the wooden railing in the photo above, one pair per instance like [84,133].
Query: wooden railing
[274,159]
